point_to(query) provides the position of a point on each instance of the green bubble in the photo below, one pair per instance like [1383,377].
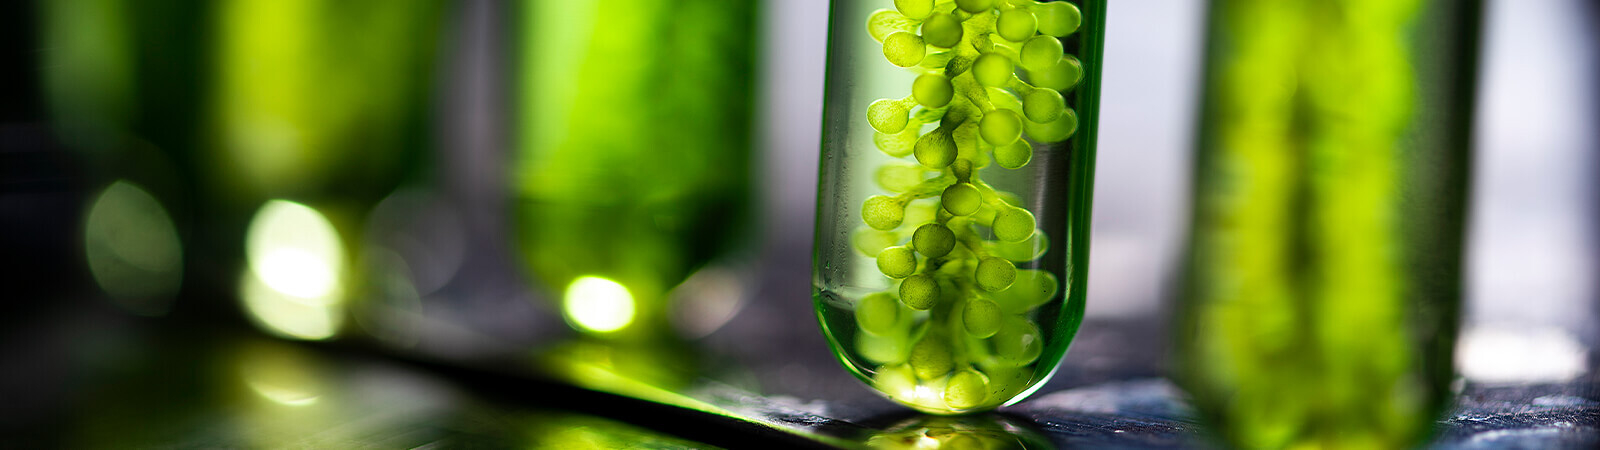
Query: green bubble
[897,380]
[897,262]
[942,30]
[889,349]
[1057,131]
[1013,224]
[935,150]
[1017,344]
[975,6]
[994,274]
[992,70]
[1061,76]
[981,317]
[1031,289]
[884,22]
[932,90]
[883,212]
[904,49]
[1014,156]
[966,389]
[878,314]
[888,116]
[1057,18]
[1027,250]
[930,357]
[1017,25]
[962,169]
[933,240]
[961,199]
[1040,52]
[1043,105]
[920,292]
[915,9]
[1000,127]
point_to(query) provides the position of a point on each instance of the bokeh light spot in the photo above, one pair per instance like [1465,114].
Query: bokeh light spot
[294,286]
[598,304]
[280,374]
[285,315]
[133,249]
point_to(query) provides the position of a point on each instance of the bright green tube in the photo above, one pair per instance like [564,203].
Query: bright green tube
[1324,277]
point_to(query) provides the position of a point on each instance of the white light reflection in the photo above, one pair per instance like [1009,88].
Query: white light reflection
[598,304]
[282,395]
[280,375]
[294,286]
[1519,355]
[285,315]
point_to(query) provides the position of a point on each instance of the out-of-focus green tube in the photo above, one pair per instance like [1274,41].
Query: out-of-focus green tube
[1323,283]
[316,111]
[633,150]
[319,99]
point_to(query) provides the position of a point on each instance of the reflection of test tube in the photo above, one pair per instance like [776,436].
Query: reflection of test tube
[1325,277]
[975,431]
[958,154]
[633,151]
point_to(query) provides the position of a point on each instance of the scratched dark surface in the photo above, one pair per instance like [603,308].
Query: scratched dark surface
[108,381]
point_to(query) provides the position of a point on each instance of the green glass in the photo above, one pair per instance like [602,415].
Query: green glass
[319,100]
[633,150]
[316,111]
[119,80]
[1324,279]
[953,208]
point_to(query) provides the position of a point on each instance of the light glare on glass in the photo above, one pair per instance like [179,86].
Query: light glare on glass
[598,304]
[294,285]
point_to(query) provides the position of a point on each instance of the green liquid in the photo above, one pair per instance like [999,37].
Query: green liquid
[950,260]
[1324,280]
[633,154]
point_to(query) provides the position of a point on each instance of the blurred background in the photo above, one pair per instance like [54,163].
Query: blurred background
[320,172]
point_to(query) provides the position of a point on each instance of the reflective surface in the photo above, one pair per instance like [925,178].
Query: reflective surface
[132,384]
[970,432]
[241,391]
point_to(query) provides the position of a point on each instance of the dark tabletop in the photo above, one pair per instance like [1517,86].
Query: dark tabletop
[99,379]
